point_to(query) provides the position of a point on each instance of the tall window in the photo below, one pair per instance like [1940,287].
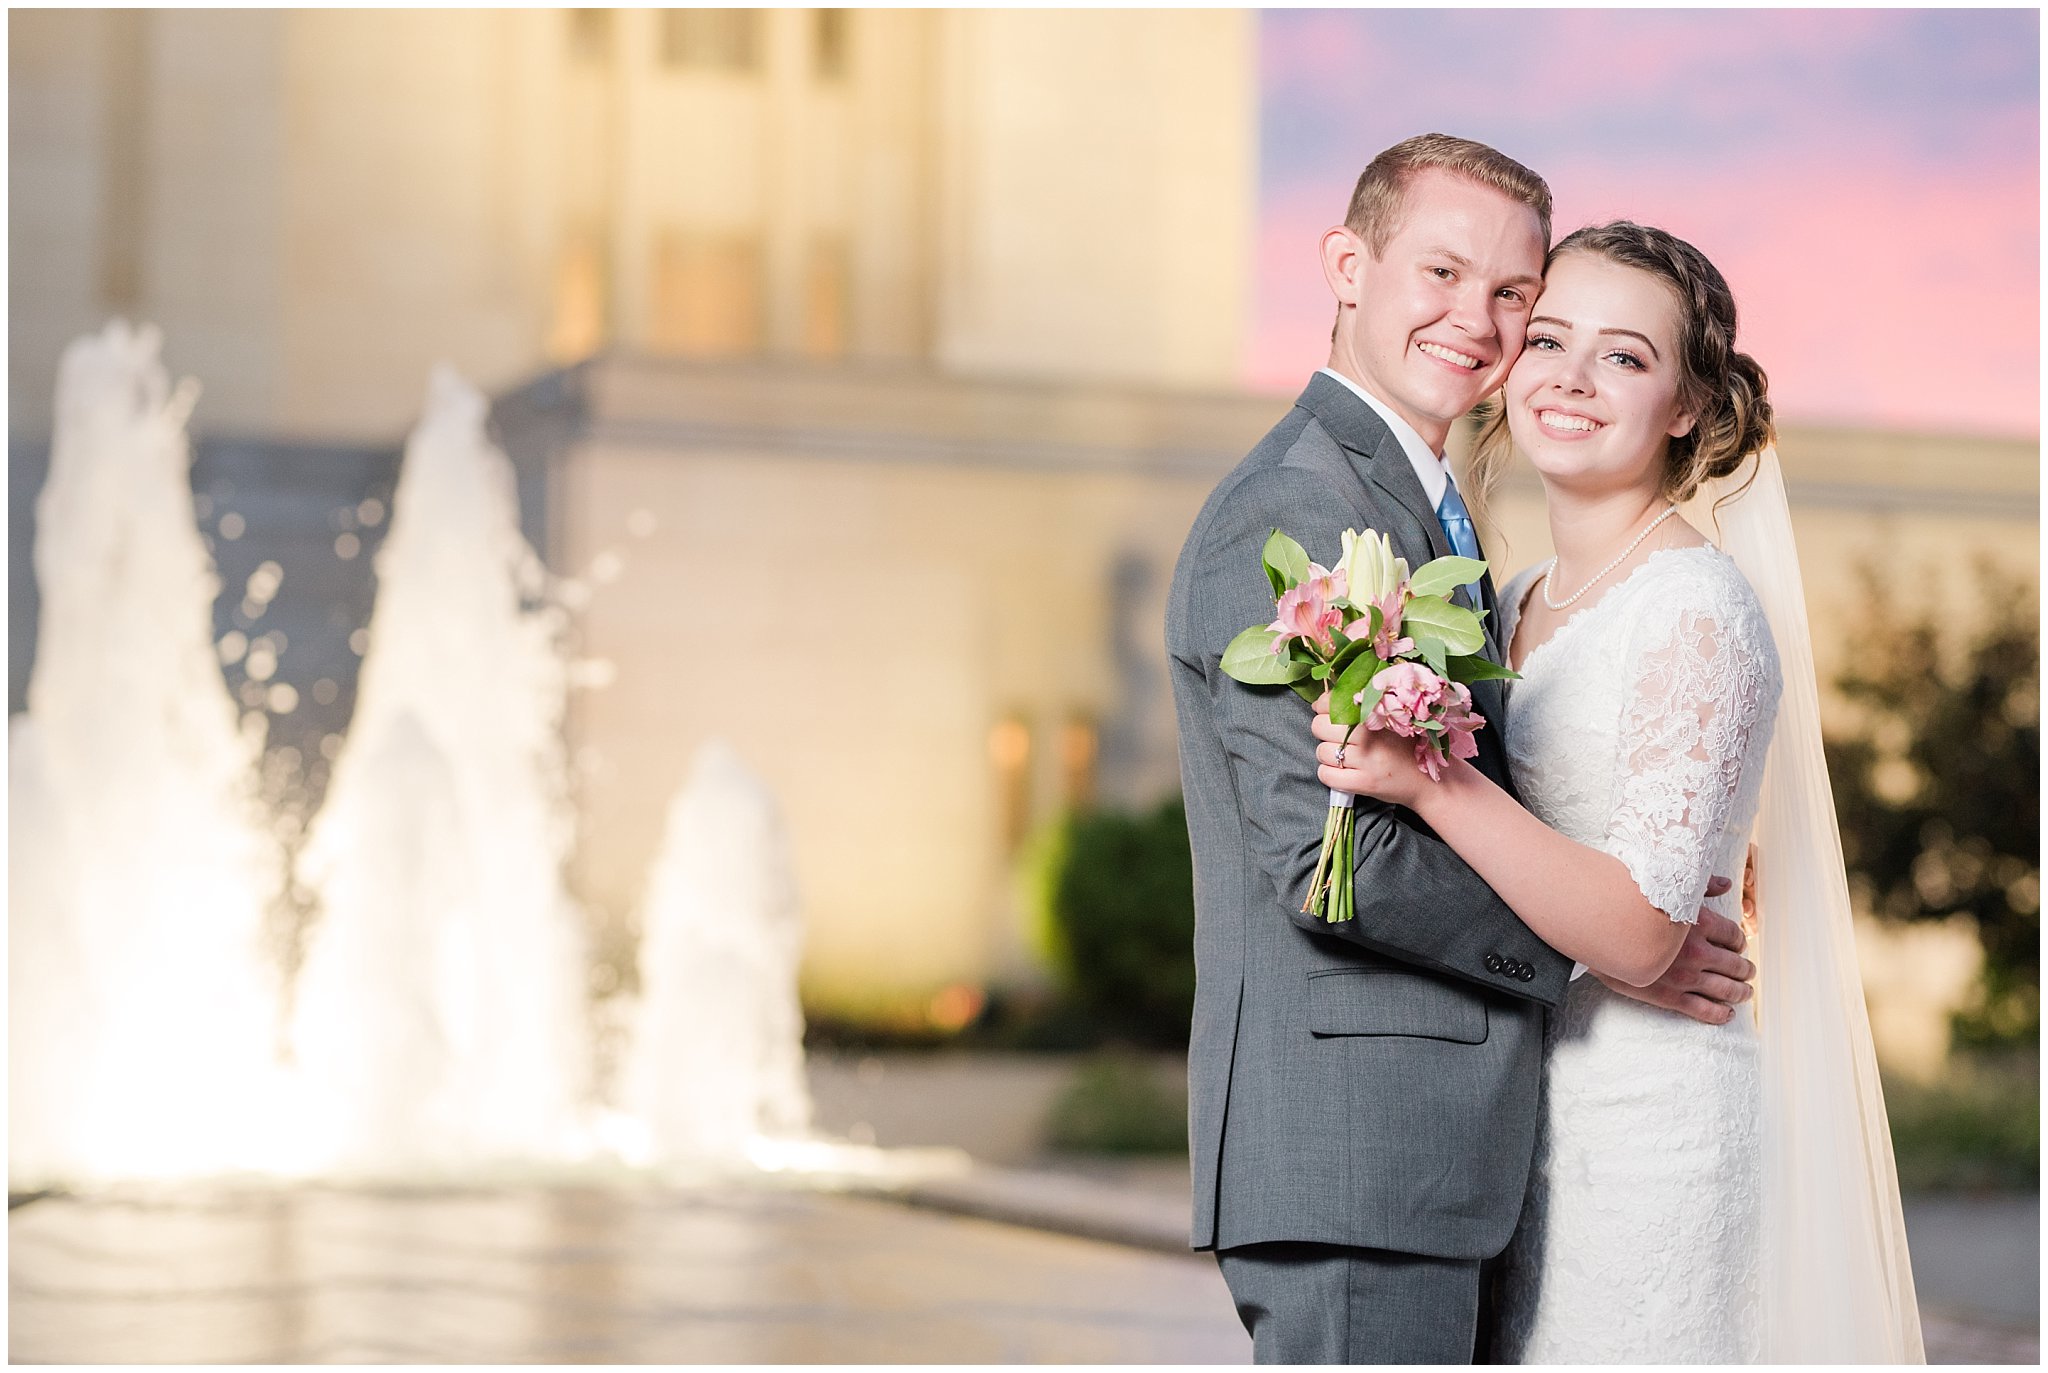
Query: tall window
[1078,748]
[578,327]
[711,40]
[707,294]
[1009,751]
[825,289]
[828,44]
[590,35]
[127,100]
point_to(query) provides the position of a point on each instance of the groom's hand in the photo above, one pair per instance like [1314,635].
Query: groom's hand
[1710,977]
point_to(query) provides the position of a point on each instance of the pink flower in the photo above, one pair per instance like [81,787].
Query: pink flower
[1410,694]
[1461,722]
[1427,758]
[1325,583]
[1389,645]
[1306,614]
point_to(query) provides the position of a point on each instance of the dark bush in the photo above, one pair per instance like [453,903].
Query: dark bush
[1119,909]
[1978,1128]
[1121,1103]
[1938,785]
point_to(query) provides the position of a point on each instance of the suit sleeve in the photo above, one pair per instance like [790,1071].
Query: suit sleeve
[1416,900]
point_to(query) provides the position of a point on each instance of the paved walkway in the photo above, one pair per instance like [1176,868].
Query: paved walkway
[1026,1257]
[586,1275]
[1976,1260]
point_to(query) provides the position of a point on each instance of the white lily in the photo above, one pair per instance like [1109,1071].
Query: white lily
[1371,571]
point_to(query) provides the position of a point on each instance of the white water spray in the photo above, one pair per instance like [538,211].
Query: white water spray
[142,1016]
[440,1021]
[716,1061]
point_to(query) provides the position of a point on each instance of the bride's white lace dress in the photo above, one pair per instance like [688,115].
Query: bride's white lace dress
[1640,728]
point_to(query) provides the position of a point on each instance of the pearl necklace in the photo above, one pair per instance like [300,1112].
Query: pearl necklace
[1634,544]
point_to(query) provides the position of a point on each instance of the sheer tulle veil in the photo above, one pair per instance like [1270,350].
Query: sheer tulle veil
[1838,1287]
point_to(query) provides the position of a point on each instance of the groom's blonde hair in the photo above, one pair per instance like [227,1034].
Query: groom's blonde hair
[1381,195]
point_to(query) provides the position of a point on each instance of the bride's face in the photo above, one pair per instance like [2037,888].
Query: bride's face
[1594,399]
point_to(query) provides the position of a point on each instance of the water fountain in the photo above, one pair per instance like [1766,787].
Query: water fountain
[440,1020]
[715,1066]
[142,1014]
[439,1026]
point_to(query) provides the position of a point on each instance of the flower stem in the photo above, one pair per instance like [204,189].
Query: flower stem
[1318,884]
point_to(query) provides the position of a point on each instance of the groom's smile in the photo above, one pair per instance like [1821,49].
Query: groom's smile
[1463,361]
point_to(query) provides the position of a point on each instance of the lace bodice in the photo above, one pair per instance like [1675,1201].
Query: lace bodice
[1640,728]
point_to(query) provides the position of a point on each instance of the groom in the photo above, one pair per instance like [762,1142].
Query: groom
[1363,1096]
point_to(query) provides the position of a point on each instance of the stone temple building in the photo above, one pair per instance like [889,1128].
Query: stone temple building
[864,369]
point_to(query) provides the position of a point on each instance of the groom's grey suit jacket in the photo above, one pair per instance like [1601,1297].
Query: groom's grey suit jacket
[1372,1083]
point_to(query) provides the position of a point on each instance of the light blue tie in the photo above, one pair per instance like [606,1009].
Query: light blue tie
[1457,523]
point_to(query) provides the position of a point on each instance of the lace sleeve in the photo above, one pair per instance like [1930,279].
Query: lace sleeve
[1700,684]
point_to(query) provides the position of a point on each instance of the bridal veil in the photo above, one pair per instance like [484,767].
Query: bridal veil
[1838,1287]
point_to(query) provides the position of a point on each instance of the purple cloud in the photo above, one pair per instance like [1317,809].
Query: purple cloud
[1867,179]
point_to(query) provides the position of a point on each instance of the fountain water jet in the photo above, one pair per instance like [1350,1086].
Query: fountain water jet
[142,1016]
[440,1021]
[439,1025]
[715,1065]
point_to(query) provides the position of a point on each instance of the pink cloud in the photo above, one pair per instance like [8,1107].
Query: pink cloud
[1320,48]
[1872,294]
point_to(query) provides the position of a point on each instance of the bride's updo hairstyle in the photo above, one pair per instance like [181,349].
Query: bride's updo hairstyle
[1724,389]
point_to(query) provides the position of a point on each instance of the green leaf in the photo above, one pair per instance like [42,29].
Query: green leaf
[1367,701]
[1308,691]
[1362,669]
[1442,576]
[1276,581]
[1432,651]
[1287,558]
[1474,668]
[1250,658]
[1455,627]
[1347,655]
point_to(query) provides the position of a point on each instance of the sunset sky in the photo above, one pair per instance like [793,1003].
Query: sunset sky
[1868,180]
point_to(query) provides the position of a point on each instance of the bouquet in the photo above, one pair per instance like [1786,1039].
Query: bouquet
[1391,649]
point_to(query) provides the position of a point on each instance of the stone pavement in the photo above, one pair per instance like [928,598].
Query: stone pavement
[325,1274]
[1976,1260]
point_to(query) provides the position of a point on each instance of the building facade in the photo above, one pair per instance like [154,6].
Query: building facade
[863,370]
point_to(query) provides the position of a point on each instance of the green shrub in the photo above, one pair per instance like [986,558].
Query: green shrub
[1978,1128]
[1118,920]
[1118,1104]
[1938,784]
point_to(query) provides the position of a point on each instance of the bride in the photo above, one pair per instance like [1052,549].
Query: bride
[1703,1193]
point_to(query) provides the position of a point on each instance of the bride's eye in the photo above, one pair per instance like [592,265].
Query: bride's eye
[1626,359]
[1544,342]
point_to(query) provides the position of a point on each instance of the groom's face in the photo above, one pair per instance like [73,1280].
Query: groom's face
[1438,316]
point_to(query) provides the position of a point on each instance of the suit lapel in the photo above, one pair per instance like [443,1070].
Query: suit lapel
[1376,455]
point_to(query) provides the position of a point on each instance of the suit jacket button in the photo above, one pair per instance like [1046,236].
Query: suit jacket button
[1528,973]
[1493,963]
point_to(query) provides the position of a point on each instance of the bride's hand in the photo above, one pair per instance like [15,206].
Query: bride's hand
[1366,762]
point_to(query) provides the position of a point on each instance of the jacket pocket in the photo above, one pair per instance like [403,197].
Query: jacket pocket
[1381,1001]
